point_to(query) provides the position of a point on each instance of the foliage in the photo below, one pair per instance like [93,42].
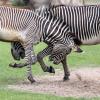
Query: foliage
[18,3]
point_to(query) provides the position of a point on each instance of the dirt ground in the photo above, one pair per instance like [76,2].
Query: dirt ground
[84,82]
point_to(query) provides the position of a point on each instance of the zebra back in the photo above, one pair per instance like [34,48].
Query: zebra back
[82,20]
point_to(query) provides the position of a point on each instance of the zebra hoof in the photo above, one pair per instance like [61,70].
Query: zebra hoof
[30,78]
[51,70]
[66,78]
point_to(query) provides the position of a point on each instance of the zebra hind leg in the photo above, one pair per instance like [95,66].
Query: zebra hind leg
[66,70]
[44,67]
[58,55]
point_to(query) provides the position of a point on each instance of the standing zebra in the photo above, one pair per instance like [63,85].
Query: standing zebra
[83,21]
[87,27]
[28,28]
[88,30]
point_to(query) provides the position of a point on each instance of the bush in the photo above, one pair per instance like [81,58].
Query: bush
[19,2]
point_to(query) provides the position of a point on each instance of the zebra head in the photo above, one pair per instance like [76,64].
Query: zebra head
[59,52]
[17,50]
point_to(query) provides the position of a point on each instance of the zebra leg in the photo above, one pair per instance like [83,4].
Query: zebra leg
[28,61]
[18,52]
[66,70]
[21,65]
[28,48]
[41,55]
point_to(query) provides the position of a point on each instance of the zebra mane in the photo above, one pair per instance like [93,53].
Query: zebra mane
[54,6]
[45,12]
[40,10]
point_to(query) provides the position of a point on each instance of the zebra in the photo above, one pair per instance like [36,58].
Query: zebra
[83,21]
[84,35]
[28,28]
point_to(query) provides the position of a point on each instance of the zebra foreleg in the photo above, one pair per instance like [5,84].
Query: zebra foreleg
[20,65]
[66,70]
[47,51]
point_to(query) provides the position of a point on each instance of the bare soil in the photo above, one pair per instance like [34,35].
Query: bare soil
[84,82]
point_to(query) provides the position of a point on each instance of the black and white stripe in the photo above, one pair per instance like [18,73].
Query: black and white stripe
[27,27]
[83,21]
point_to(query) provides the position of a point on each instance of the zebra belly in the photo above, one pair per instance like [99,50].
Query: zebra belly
[93,41]
[10,35]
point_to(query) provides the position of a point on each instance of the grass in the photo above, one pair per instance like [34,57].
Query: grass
[92,2]
[90,57]
[15,95]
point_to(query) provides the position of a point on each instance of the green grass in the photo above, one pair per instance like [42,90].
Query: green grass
[92,2]
[90,58]
[15,95]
